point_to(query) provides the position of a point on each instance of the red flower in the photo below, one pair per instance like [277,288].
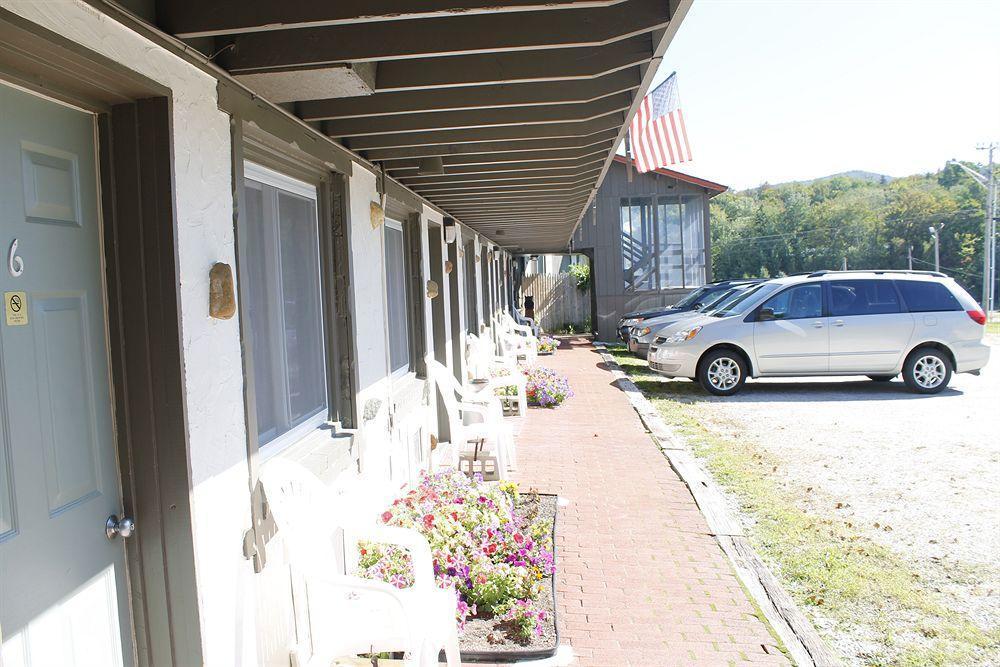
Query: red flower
[519,538]
[386,516]
[428,521]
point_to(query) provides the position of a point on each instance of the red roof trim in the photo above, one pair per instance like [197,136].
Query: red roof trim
[694,180]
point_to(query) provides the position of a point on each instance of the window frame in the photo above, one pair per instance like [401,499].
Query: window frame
[410,367]
[254,171]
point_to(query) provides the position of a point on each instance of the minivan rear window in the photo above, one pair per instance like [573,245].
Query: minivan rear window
[926,297]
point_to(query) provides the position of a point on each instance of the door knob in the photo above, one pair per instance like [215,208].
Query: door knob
[818,325]
[114,527]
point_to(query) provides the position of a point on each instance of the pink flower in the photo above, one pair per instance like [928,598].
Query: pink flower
[428,521]
[519,538]
[386,516]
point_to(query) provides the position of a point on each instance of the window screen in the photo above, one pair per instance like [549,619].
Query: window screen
[692,224]
[285,308]
[395,290]
[925,297]
[638,251]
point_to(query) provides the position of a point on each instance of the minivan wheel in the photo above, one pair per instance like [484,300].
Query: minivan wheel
[927,371]
[722,372]
[881,378]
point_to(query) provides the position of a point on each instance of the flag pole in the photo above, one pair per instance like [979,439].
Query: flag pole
[628,155]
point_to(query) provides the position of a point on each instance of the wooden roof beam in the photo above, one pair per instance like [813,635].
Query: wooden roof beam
[197,18]
[495,151]
[456,35]
[550,184]
[491,177]
[489,134]
[445,120]
[500,96]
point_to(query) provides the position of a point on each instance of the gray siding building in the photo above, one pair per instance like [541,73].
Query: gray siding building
[648,240]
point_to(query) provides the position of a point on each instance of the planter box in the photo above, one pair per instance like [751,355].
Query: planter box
[473,644]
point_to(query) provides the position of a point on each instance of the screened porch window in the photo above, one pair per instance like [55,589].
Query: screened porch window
[396,299]
[663,245]
[285,306]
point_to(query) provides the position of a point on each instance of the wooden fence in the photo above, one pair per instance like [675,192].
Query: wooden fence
[558,301]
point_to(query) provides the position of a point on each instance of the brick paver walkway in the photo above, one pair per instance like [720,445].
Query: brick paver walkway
[640,580]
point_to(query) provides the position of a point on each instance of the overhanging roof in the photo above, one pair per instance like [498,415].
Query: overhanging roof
[716,188]
[524,101]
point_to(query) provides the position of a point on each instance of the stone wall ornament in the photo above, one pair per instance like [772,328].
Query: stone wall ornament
[448,266]
[432,289]
[221,294]
[377,215]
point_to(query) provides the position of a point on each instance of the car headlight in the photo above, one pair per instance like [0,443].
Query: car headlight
[683,335]
[644,331]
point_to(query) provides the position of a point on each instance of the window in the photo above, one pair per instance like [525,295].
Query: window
[637,244]
[862,297]
[693,230]
[663,246]
[797,302]
[285,308]
[925,297]
[670,255]
[396,299]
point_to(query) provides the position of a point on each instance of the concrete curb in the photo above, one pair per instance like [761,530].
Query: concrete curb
[805,646]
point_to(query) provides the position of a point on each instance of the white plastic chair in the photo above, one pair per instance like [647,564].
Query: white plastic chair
[516,340]
[487,440]
[348,614]
[523,319]
[483,364]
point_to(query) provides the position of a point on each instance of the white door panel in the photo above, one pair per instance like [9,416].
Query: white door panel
[63,585]
[792,346]
[869,343]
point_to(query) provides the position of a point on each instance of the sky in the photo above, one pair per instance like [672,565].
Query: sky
[784,90]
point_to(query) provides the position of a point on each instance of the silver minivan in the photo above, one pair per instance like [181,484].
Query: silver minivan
[881,324]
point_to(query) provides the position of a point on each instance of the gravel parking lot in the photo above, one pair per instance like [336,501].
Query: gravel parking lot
[917,474]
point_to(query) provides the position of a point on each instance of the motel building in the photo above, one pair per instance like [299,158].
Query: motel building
[237,231]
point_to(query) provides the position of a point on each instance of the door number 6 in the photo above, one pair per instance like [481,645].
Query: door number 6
[14,263]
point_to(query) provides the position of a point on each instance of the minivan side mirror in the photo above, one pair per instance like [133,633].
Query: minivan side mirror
[698,305]
[765,314]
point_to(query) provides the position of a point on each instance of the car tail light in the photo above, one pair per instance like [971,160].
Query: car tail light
[978,316]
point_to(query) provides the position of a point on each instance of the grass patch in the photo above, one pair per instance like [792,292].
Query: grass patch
[827,564]
[993,328]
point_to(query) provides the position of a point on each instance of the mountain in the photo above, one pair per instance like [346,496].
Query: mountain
[858,174]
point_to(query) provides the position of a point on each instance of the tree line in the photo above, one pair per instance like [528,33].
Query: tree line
[875,223]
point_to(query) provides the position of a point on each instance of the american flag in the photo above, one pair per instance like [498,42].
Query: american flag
[657,134]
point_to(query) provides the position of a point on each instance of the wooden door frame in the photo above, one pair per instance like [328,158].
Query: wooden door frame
[134,148]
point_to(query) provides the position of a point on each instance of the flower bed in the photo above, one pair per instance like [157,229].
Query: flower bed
[489,542]
[546,388]
[547,345]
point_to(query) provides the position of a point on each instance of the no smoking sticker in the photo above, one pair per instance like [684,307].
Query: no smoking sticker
[16,306]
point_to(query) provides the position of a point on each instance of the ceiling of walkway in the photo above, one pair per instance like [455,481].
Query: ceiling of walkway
[505,113]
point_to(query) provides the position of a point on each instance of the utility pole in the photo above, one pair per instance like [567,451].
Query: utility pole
[936,233]
[990,236]
[989,182]
[909,256]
